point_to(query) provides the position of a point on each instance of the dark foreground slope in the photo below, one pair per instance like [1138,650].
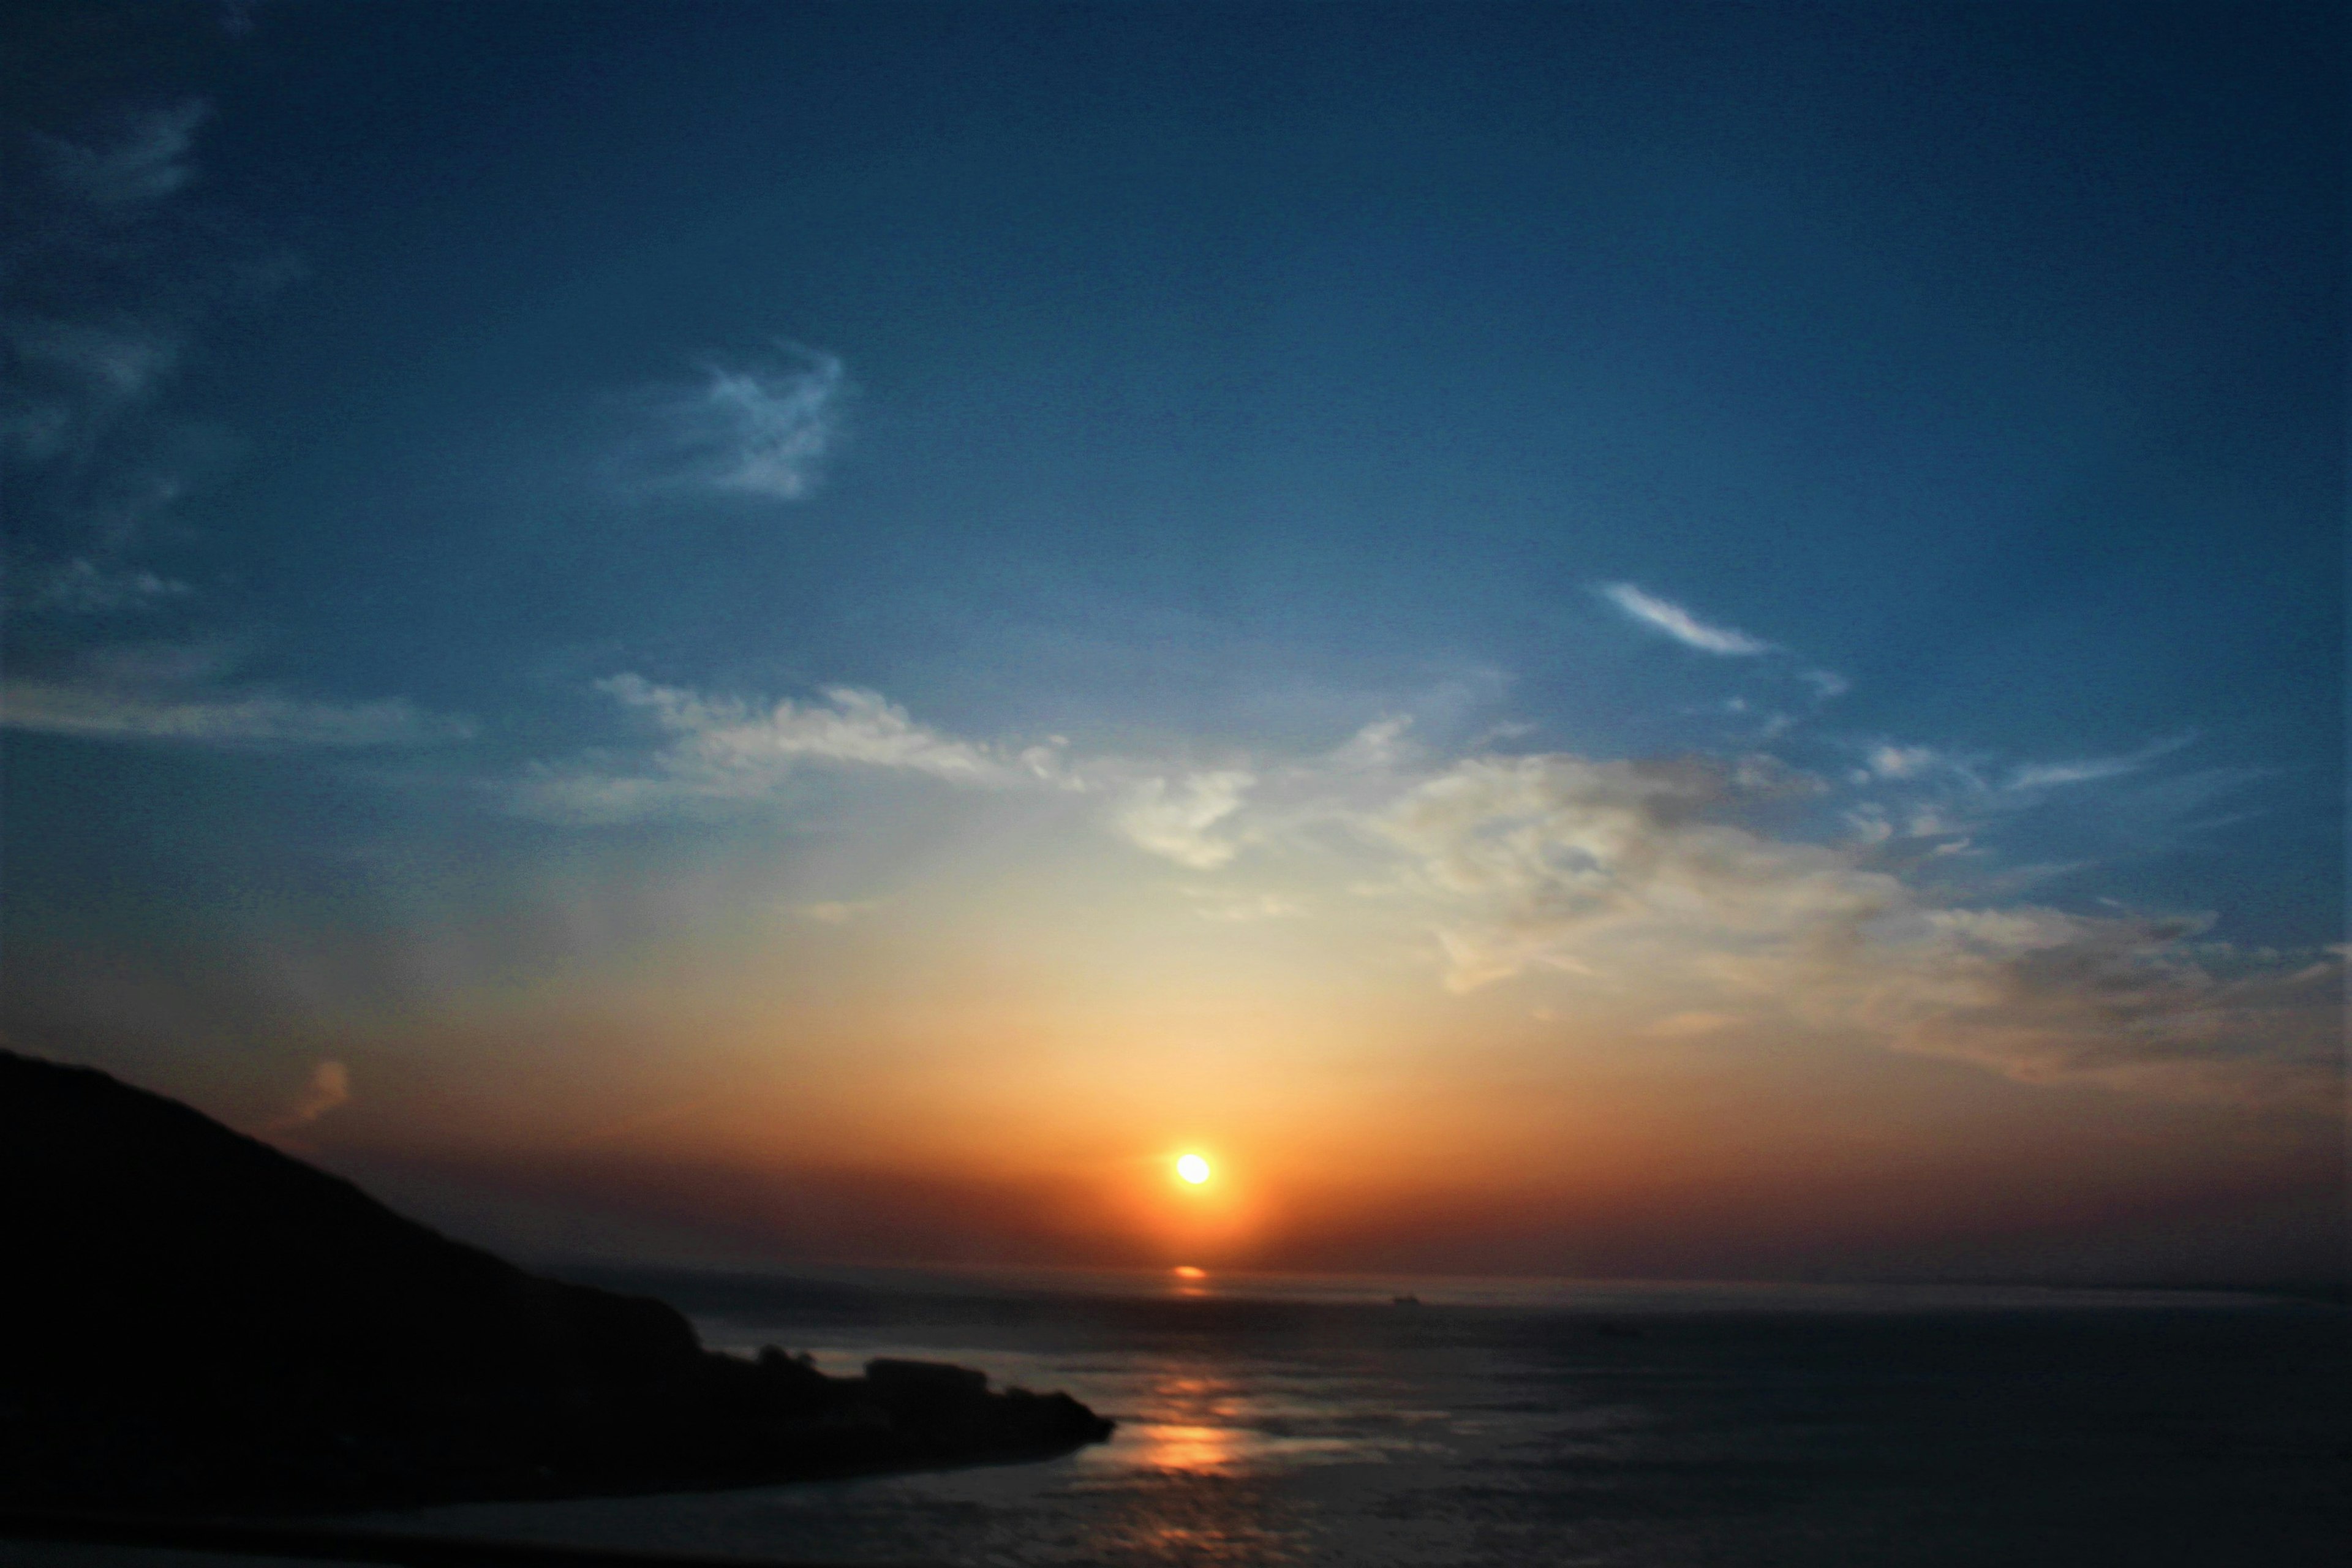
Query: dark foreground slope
[190,1318]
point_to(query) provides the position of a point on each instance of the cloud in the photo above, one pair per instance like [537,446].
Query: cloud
[1890,761]
[247,718]
[1174,821]
[82,586]
[1644,874]
[1257,907]
[1680,624]
[148,163]
[113,272]
[1687,891]
[1687,1025]
[1531,851]
[2047,775]
[2044,995]
[761,427]
[330,1088]
[1826,683]
[839,913]
[1378,746]
[725,750]
[862,727]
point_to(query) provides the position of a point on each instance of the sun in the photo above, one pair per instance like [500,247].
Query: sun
[1193,1169]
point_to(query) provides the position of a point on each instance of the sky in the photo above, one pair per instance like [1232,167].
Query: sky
[1574,639]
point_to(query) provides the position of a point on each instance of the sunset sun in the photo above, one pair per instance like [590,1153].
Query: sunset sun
[1192,1169]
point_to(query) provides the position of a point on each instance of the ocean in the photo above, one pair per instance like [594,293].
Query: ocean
[1319,1421]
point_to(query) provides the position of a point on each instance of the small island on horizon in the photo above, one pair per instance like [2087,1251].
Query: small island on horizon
[203,1323]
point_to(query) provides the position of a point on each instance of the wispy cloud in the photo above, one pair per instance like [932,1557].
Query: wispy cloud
[1679,624]
[233,717]
[837,911]
[1176,820]
[188,693]
[149,162]
[761,427]
[1892,761]
[1253,907]
[727,735]
[1826,683]
[113,272]
[82,587]
[726,749]
[1646,871]
[2087,770]
[330,1088]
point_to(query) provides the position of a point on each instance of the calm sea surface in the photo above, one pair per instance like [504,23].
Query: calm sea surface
[1286,1421]
[1305,1421]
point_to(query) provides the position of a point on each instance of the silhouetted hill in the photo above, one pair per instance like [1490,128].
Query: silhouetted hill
[194,1319]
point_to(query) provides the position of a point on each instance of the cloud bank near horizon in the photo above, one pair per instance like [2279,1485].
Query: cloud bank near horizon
[1739,888]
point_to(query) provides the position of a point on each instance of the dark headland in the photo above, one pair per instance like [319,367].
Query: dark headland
[194,1321]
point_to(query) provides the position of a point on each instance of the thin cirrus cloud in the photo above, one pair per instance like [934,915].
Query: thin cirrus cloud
[82,587]
[2085,770]
[148,163]
[114,270]
[186,693]
[722,751]
[233,718]
[1665,616]
[759,428]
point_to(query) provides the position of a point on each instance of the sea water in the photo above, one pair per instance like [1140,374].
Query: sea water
[1388,1424]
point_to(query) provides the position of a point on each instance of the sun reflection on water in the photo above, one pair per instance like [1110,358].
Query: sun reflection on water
[1172,1447]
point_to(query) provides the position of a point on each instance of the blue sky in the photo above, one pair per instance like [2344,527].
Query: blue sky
[1813,523]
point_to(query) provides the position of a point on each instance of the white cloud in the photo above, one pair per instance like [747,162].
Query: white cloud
[725,735]
[235,718]
[1869,823]
[1642,875]
[1376,747]
[760,427]
[1175,822]
[725,750]
[1532,850]
[1889,761]
[1680,624]
[2087,770]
